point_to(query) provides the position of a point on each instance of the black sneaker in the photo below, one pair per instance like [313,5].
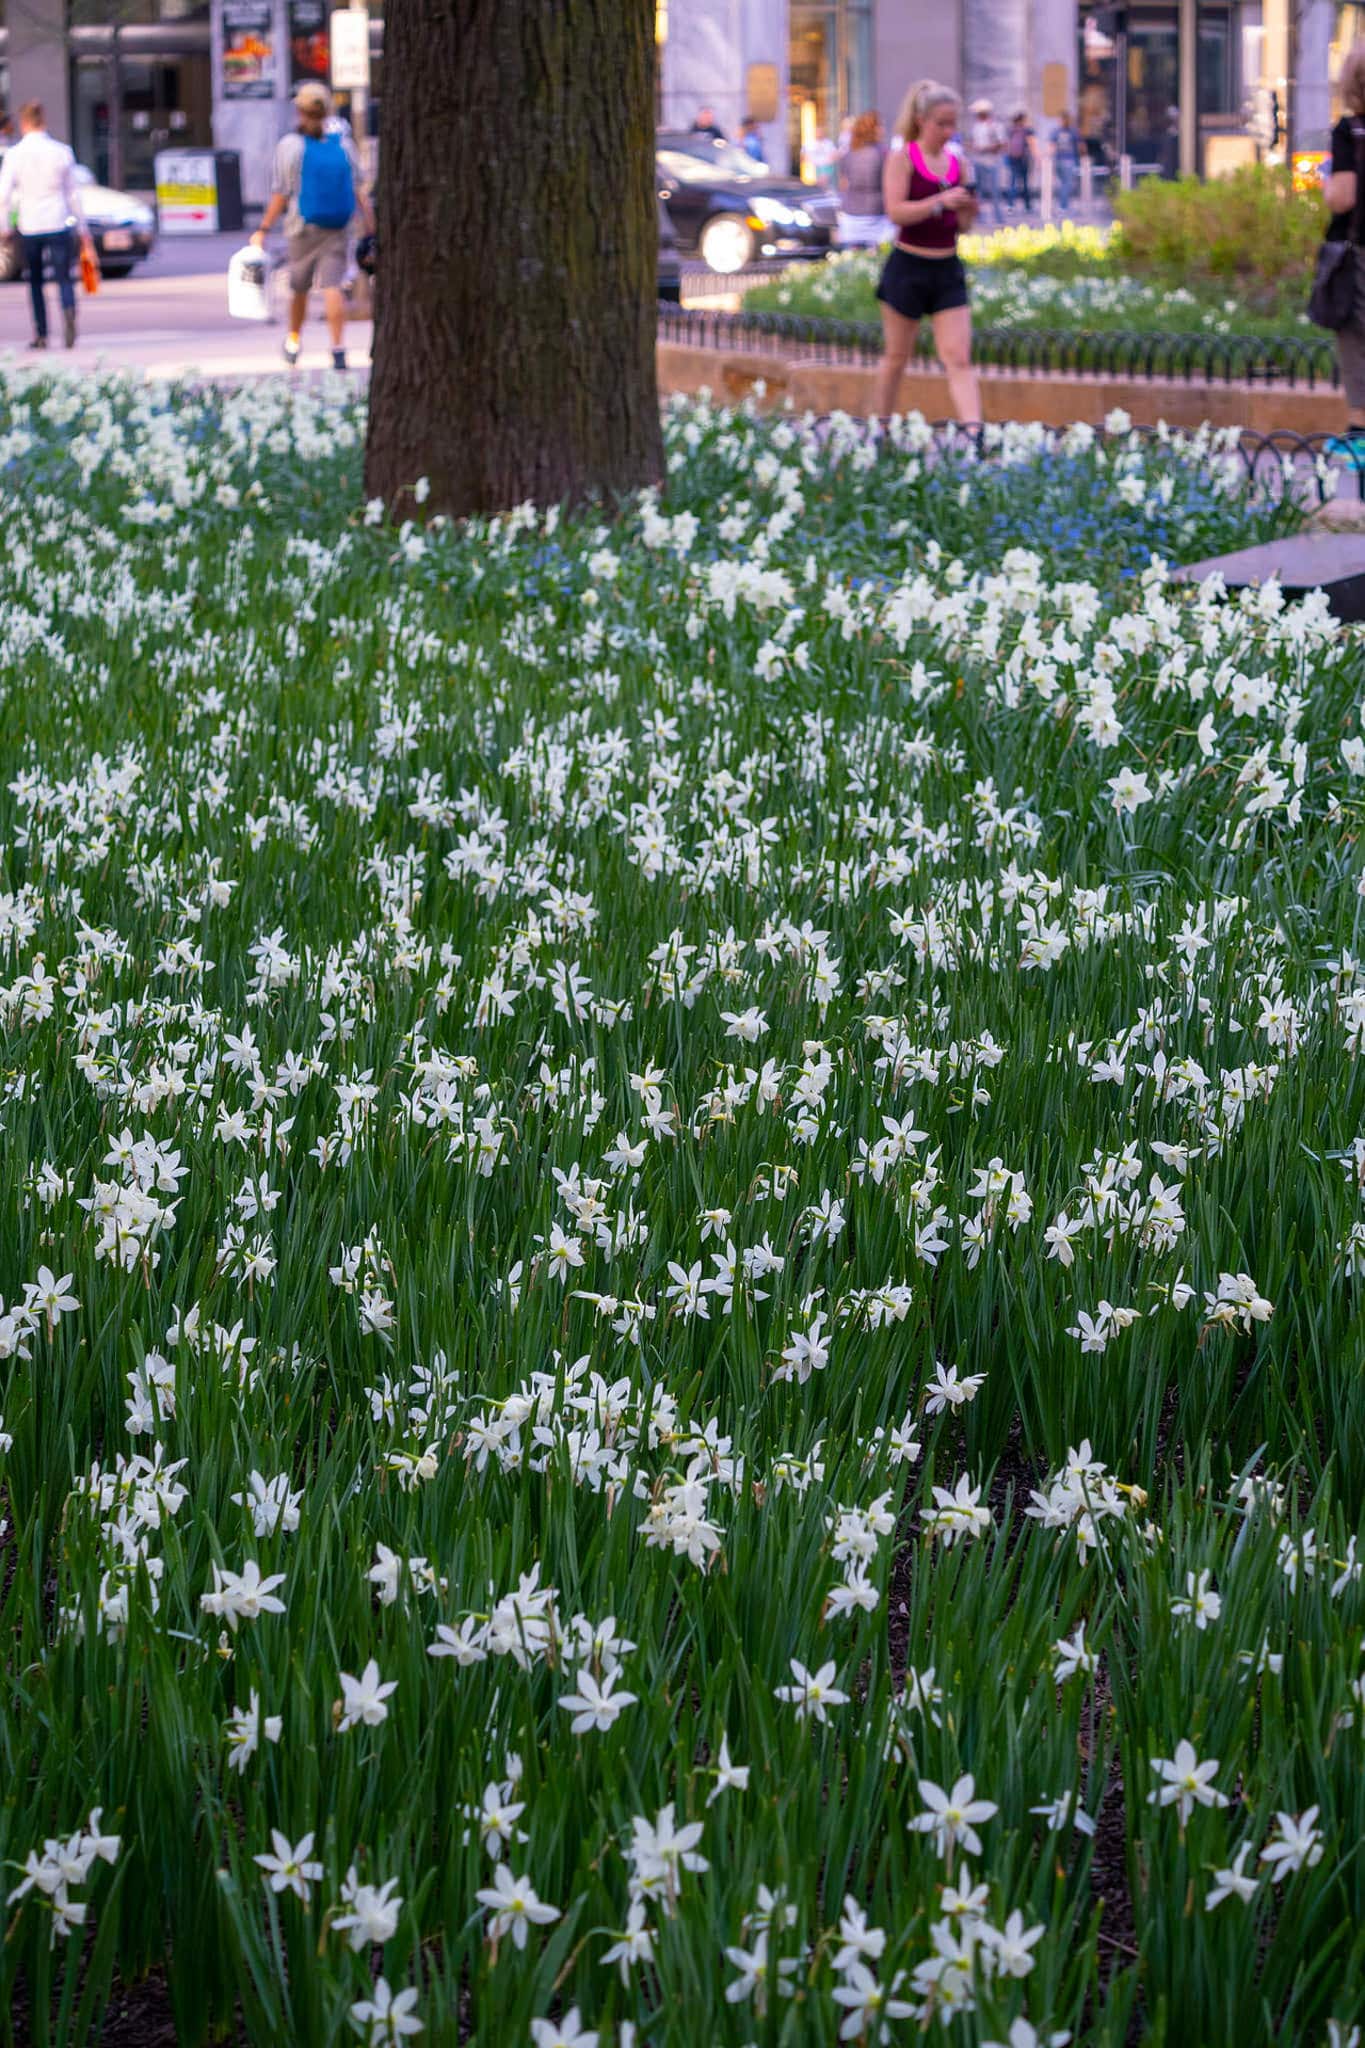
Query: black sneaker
[338,358]
[38,341]
[69,325]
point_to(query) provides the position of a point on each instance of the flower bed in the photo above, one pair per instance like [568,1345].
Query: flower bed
[1059,278]
[681,1211]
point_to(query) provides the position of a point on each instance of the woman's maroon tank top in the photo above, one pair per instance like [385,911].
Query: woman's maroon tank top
[939,231]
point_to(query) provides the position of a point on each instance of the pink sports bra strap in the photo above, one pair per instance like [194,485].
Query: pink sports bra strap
[952,165]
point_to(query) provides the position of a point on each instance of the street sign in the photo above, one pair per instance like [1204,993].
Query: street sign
[350,50]
[186,192]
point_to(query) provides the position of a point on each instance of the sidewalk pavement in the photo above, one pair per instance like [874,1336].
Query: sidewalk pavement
[169,320]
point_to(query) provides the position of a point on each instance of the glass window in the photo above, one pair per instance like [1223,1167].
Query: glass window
[123,112]
[725,157]
[693,167]
[1213,64]
[829,65]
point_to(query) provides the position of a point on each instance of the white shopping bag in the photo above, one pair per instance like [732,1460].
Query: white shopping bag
[249,285]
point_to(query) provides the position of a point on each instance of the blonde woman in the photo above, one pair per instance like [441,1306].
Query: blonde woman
[1343,194]
[929,203]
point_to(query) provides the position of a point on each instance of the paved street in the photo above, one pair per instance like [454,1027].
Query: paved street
[170,319]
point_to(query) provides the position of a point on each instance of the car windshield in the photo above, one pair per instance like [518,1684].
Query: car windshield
[699,163]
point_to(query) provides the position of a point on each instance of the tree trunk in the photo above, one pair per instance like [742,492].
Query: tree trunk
[518,243]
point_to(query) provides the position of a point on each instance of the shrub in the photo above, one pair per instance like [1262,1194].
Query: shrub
[1251,229]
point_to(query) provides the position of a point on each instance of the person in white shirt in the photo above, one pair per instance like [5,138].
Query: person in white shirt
[38,181]
[986,147]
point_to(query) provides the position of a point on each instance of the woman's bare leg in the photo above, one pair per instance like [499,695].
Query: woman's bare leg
[898,345]
[953,342]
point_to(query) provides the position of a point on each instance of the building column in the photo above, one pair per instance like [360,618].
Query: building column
[766,41]
[996,67]
[1188,89]
[251,126]
[919,43]
[1055,36]
[39,64]
[1312,108]
[702,66]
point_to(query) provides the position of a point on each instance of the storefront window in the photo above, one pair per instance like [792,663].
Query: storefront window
[830,74]
[1130,80]
[1214,62]
[141,82]
[1153,76]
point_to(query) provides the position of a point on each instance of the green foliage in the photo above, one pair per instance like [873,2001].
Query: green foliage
[446,975]
[1233,256]
[1251,233]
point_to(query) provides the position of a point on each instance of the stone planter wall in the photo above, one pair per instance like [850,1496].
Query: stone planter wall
[1054,398]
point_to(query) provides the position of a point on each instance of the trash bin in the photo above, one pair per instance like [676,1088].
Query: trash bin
[227,164]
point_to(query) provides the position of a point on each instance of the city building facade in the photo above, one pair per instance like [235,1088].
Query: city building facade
[1166,84]
[126,79]
[1169,84]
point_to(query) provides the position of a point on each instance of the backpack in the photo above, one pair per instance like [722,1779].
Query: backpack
[326,185]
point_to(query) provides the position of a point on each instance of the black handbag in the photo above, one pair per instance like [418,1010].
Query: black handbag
[11,256]
[1332,301]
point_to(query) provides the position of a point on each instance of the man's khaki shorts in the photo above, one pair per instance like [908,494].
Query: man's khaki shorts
[317,256]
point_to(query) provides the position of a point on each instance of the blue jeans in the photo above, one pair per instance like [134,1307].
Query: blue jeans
[988,185]
[1068,178]
[57,248]
[1018,170]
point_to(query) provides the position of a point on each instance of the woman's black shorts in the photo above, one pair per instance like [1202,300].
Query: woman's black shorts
[918,286]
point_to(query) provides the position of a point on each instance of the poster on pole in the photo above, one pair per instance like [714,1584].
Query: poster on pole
[309,48]
[350,50]
[248,50]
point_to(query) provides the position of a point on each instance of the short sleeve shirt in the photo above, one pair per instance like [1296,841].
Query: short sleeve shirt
[287,173]
[1344,153]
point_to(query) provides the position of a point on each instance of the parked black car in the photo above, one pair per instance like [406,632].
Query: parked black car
[123,229]
[728,209]
[670,264]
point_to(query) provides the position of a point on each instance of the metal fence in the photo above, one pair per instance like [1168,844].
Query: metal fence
[1189,358]
[1313,468]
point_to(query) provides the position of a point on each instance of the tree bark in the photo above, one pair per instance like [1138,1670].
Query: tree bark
[518,244]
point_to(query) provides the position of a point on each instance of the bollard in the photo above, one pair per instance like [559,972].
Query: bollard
[1125,173]
[1087,182]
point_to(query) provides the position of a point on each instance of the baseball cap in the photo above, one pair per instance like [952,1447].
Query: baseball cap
[313,97]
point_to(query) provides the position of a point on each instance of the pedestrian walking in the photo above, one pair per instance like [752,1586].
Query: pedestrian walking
[318,185]
[862,222]
[38,180]
[820,161]
[986,147]
[751,142]
[1066,159]
[926,198]
[1018,156]
[1343,193]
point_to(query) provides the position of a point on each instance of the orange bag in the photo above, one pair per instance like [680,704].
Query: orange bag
[90,270]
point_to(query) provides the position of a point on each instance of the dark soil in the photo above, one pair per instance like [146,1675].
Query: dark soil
[135,2016]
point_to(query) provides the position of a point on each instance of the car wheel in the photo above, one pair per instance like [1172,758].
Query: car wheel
[727,244]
